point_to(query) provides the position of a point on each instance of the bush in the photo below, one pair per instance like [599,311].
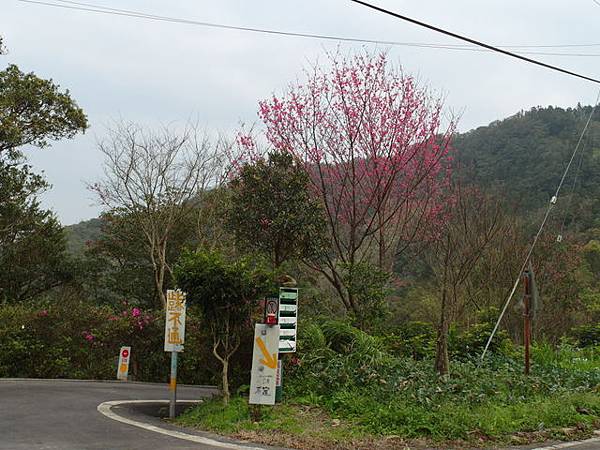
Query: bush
[414,340]
[417,340]
[470,343]
[355,378]
[73,339]
[587,335]
[353,361]
[369,286]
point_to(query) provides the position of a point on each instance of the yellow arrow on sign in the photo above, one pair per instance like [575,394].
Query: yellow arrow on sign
[270,360]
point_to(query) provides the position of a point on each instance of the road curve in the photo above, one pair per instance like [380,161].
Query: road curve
[62,415]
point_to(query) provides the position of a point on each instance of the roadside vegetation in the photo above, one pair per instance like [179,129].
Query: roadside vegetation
[348,388]
[403,237]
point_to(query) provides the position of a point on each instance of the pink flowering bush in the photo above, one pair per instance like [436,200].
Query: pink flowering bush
[74,339]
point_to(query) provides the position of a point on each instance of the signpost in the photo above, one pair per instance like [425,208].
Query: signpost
[174,338]
[123,367]
[278,380]
[288,319]
[264,364]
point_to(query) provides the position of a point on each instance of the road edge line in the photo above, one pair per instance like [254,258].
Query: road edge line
[568,444]
[77,380]
[105,409]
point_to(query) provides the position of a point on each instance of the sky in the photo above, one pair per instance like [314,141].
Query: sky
[155,73]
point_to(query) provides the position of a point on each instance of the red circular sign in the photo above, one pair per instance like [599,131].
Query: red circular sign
[125,353]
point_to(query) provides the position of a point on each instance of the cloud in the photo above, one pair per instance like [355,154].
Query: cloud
[161,72]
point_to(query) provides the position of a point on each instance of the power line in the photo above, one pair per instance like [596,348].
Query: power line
[473,41]
[553,201]
[71,2]
[88,7]
[573,186]
[596,2]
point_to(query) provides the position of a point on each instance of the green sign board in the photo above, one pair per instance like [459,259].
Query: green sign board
[288,319]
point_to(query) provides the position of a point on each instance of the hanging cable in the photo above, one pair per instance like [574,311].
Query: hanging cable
[473,41]
[539,232]
[89,7]
[559,237]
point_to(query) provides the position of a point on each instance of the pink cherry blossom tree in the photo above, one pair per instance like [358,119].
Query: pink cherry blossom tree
[376,149]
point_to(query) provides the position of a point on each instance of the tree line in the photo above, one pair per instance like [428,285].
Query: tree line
[355,184]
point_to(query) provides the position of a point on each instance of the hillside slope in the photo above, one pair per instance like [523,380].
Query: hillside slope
[80,233]
[526,155]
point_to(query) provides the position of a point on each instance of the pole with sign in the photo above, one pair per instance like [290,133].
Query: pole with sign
[264,364]
[174,338]
[123,367]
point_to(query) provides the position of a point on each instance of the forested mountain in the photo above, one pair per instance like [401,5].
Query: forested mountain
[525,155]
[80,233]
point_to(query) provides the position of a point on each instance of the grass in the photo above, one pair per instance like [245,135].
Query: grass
[344,395]
[358,419]
[568,357]
[288,425]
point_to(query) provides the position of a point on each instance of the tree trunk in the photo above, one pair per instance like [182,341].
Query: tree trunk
[225,381]
[442,362]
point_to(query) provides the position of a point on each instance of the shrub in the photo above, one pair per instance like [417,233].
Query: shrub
[471,342]
[587,335]
[412,339]
[74,339]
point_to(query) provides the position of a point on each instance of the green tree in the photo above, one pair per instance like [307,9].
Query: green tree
[117,264]
[370,286]
[32,243]
[35,111]
[156,179]
[272,212]
[225,292]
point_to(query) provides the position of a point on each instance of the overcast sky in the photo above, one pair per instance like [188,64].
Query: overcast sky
[156,72]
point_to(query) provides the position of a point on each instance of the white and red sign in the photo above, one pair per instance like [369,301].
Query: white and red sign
[123,368]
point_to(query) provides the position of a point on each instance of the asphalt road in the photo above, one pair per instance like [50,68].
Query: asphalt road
[62,415]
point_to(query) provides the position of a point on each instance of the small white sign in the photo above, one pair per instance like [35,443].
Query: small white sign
[175,321]
[287,346]
[284,320]
[287,308]
[264,364]
[123,367]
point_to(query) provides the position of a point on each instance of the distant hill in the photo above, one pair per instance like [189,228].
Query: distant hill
[524,155]
[81,233]
[527,153]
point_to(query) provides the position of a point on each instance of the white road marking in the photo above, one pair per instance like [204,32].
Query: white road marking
[105,408]
[568,444]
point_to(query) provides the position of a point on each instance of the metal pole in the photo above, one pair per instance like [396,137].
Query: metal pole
[527,322]
[279,386]
[173,385]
